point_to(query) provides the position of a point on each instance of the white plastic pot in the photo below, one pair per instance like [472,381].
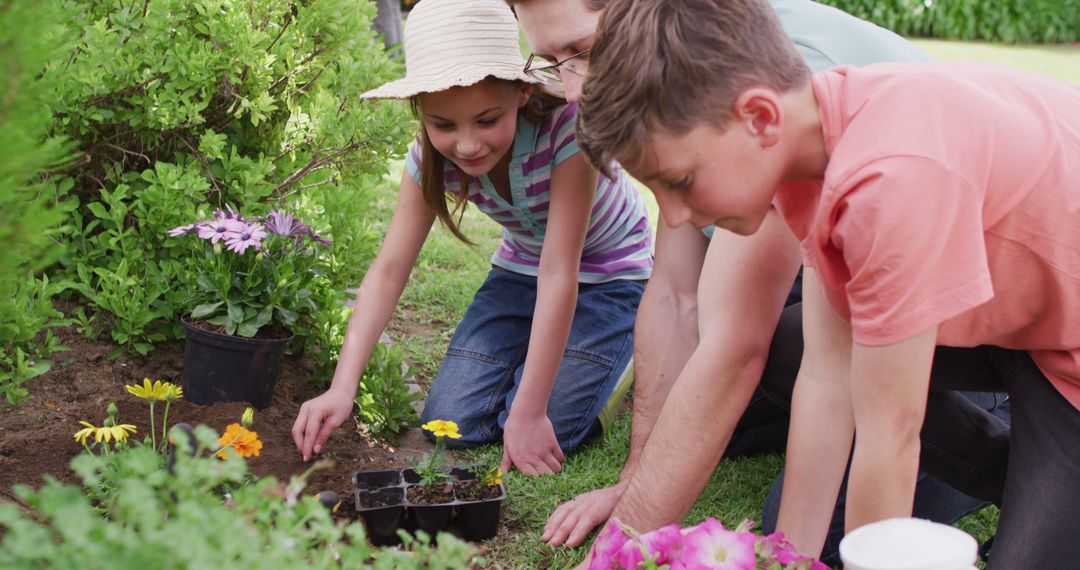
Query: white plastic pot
[908,544]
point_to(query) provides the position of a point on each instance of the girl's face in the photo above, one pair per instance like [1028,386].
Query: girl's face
[474,126]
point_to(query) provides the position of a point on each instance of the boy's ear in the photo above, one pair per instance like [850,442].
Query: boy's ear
[759,110]
[525,90]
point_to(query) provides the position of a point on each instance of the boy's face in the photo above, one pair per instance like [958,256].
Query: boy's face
[709,176]
[558,29]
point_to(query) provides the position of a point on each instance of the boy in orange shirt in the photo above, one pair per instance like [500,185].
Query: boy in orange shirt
[937,205]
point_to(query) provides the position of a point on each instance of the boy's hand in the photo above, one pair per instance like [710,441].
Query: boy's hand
[529,444]
[572,521]
[317,419]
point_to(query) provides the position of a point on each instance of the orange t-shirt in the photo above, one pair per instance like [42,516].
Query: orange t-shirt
[952,197]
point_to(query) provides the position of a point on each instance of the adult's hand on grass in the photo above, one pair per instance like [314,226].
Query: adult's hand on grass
[573,520]
[529,443]
[317,419]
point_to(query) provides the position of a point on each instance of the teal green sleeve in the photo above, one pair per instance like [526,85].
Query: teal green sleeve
[827,37]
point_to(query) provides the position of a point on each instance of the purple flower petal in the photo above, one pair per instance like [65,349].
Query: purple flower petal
[231,214]
[181,230]
[243,236]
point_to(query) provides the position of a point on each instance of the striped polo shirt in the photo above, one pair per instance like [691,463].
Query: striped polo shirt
[619,241]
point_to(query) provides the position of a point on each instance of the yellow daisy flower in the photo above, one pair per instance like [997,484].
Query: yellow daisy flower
[82,435]
[173,392]
[442,428]
[120,432]
[157,391]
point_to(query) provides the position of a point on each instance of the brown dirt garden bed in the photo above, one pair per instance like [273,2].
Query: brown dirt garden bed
[36,435]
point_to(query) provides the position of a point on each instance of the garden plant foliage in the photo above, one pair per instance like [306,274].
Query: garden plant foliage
[132,514]
[1008,21]
[32,204]
[384,403]
[180,107]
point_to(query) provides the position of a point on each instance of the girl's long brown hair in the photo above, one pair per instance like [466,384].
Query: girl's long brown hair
[432,163]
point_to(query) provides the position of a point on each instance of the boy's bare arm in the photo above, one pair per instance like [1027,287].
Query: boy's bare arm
[888,393]
[819,438]
[740,297]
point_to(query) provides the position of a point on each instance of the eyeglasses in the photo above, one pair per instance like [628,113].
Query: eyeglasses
[550,75]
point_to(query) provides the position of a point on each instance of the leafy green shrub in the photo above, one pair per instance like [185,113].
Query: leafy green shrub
[148,517]
[384,399]
[180,107]
[32,204]
[1009,21]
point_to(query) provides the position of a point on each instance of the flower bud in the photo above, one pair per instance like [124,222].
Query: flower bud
[113,411]
[217,248]
[248,418]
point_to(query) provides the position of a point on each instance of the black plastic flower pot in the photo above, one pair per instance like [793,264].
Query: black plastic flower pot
[223,368]
[430,517]
[478,519]
[376,479]
[382,512]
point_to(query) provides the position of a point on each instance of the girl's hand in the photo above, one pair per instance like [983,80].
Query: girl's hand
[318,418]
[529,443]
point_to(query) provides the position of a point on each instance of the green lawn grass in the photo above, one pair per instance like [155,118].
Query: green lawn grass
[1060,61]
[449,272]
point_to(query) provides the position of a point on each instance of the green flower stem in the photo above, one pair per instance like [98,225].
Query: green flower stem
[435,455]
[153,430]
[226,446]
[164,426]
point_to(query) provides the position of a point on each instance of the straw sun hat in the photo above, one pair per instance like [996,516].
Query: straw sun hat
[452,43]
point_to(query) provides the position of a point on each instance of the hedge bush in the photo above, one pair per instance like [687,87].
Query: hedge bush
[1008,21]
[32,204]
[178,107]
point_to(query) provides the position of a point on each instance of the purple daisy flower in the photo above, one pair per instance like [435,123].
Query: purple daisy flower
[284,224]
[245,236]
[230,214]
[218,229]
[181,230]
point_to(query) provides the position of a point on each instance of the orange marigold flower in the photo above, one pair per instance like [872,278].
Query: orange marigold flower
[243,440]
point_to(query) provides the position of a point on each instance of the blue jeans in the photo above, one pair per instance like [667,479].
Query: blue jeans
[481,372]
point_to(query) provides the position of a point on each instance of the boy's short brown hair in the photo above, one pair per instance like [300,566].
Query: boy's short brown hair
[595,5]
[675,64]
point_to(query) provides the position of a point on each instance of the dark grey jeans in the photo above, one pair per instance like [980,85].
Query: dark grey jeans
[967,445]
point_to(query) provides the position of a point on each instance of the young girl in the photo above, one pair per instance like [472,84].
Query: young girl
[549,333]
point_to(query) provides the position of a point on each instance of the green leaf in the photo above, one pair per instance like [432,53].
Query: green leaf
[98,210]
[236,313]
[247,329]
[205,310]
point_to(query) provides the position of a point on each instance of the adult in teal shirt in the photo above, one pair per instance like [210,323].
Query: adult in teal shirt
[698,359]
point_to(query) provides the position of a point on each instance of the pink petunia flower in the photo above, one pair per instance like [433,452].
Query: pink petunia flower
[662,545]
[245,236]
[605,550]
[775,548]
[710,546]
